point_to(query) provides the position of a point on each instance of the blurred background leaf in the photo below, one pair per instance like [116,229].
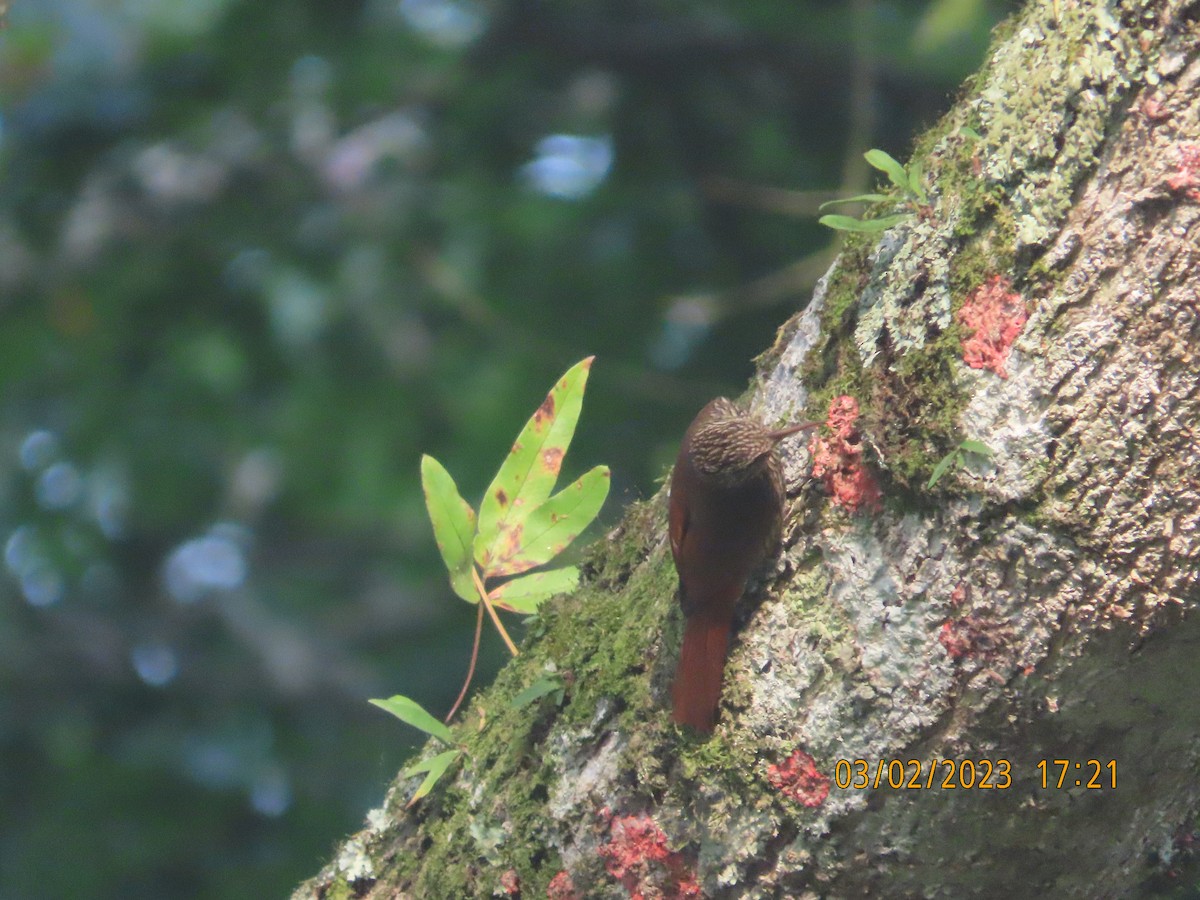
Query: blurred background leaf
[256,257]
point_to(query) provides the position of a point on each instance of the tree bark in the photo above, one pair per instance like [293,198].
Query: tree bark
[1032,605]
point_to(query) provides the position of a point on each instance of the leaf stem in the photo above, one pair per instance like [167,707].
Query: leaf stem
[470,669]
[483,596]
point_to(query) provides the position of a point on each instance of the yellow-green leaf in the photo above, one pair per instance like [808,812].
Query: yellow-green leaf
[528,473]
[977,447]
[412,713]
[849,223]
[886,164]
[545,685]
[858,198]
[453,522]
[940,469]
[525,594]
[435,768]
[915,174]
[543,533]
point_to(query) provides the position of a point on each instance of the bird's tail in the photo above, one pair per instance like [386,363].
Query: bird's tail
[697,688]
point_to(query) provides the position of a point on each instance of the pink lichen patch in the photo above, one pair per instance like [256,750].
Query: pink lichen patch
[637,855]
[1187,177]
[843,413]
[561,887]
[686,887]
[972,635]
[1154,109]
[995,315]
[510,883]
[954,638]
[837,460]
[798,779]
[959,594]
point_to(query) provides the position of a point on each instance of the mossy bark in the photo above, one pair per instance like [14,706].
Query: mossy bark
[1033,605]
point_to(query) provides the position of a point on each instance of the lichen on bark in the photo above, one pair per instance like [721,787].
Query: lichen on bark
[1033,606]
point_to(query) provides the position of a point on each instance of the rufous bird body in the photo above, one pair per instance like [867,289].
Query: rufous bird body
[726,513]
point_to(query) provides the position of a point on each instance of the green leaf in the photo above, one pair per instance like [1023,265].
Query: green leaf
[842,223]
[543,533]
[525,594]
[914,181]
[546,685]
[528,473]
[435,767]
[940,469]
[848,223]
[968,132]
[453,522]
[860,198]
[884,163]
[412,713]
[976,447]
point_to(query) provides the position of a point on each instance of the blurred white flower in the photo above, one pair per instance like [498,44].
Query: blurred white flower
[569,166]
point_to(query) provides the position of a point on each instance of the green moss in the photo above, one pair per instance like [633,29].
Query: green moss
[913,409]
[976,199]
[991,252]
[615,665]
[833,367]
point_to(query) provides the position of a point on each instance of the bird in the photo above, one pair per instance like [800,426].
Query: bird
[725,515]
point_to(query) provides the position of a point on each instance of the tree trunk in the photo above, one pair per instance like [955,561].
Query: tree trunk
[1031,605]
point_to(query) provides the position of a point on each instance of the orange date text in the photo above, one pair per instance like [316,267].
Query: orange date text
[1092,774]
[919,774]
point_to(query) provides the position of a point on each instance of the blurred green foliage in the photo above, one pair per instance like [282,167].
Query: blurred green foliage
[256,257]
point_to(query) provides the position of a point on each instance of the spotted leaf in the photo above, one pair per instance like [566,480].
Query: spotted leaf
[543,533]
[528,473]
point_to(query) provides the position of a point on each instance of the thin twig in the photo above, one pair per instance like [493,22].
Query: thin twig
[733,191]
[483,595]
[803,273]
[470,669]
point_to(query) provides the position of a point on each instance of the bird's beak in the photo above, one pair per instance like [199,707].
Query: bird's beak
[777,436]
